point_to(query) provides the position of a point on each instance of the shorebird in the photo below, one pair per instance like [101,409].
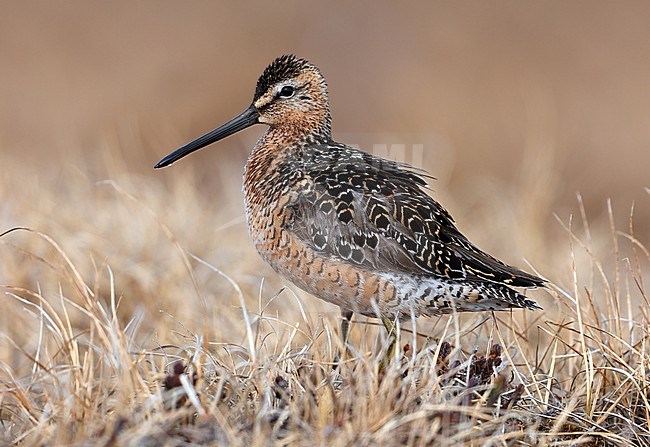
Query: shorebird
[351,228]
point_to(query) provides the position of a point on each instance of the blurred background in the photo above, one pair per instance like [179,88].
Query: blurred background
[562,84]
[515,107]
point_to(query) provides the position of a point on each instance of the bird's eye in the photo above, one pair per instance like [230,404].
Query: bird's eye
[287,91]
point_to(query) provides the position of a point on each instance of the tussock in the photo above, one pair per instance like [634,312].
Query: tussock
[128,320]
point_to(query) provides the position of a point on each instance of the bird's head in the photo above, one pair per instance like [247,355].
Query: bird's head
[290,97]
[292,93]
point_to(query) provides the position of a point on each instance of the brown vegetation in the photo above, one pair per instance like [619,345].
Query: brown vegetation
[101,306]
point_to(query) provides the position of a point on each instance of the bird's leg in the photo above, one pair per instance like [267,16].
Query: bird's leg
[392,340]
[346,317]
[345,325]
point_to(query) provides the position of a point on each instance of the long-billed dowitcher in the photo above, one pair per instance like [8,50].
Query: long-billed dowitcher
[351,228]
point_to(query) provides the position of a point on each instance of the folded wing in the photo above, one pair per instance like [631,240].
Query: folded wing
[376,213]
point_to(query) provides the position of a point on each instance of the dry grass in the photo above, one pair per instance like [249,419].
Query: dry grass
[116,282]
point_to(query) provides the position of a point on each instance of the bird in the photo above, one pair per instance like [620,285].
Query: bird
[349,227]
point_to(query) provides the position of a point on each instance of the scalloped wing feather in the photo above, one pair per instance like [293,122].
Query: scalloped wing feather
[376,214]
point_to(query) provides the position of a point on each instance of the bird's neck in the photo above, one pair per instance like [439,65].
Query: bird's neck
[275,148]
[299,127]
[268,151]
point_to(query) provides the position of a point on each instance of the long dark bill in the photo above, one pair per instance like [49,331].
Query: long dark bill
[245,119]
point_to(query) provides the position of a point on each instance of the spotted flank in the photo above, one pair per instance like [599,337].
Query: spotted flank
[351,228]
